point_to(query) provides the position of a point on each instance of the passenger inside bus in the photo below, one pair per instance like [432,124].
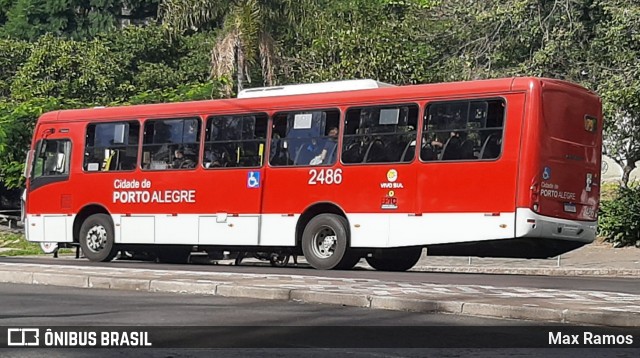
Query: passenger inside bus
[327,155]
[183,159]
[213,158]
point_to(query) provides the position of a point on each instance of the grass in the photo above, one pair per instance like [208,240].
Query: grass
[18,244]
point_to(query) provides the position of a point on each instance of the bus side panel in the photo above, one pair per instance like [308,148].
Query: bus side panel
[374,198]
[473,200]
[196,207]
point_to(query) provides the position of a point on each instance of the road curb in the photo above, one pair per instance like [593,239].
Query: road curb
[403,304]
[16,277]
[343,299]
[621,319]
[175,286]
[56,279]
[512,312]
[547,271]
[265,293]
[118,283]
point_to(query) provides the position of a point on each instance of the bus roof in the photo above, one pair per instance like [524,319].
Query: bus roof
[444,90]
[307,88]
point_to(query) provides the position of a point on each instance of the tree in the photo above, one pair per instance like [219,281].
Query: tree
[392,41]
[16,126]
[616,49]
[13,54]
[180,16]
[76,19]
[84,71]
[517,37]
[243,41]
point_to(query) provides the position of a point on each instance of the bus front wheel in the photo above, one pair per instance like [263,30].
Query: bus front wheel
[325,242]
[97,239]
[395,259]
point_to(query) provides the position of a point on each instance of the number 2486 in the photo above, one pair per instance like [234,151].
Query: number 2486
[325,176]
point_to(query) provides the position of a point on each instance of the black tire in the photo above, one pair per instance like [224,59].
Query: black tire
[241,255]
[349,262]
[324,257]
[96,238]
[174,254]
[279,260]
[396,259]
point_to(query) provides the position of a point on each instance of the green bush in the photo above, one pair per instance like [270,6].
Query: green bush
[619,217]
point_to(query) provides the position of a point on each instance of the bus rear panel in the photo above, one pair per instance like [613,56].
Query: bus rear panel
[560,171]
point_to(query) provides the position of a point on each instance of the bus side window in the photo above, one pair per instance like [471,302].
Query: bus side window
[235,141]
[111,146]
[382,134]
[305,138]
[463,130]
[171,143]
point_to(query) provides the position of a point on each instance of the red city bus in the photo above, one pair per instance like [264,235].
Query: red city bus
[496,168]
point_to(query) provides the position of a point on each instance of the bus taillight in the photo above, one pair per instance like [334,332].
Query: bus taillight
[535,195]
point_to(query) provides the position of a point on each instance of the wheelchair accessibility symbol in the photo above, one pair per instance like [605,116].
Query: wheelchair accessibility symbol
[546,173]
[253,180]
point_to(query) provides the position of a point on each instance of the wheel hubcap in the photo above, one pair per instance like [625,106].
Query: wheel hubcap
[324,242]
[96,238]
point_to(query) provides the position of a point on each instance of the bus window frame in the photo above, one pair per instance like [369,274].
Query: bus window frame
[204,142]
[382,106]
[271,127]
[141,144]
[138,149]
[37,182]
[502,138]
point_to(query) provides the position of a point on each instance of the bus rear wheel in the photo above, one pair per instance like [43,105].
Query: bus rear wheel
[349,261]
[325,242]
[395,259]
[97,239]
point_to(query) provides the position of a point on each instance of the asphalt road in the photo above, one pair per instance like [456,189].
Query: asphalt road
[27,305]
[606,284]
[52,305]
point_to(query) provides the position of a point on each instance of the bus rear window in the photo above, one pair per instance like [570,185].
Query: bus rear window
[565,118]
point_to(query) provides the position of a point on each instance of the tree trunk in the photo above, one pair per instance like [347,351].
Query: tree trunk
[626,171]
[240,67]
